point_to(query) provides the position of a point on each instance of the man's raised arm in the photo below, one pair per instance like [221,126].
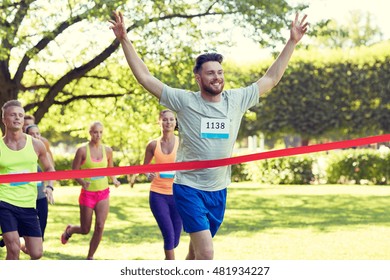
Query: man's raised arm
[137,66]
[277,69]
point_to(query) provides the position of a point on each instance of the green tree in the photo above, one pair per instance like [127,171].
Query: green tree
[327,94]
[50,47]
[359,30]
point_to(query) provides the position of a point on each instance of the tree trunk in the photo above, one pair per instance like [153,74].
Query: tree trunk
[8,91]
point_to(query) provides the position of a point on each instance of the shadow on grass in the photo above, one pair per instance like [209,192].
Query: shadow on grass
[249,211]
[50,255]
[251,214]
[129,222]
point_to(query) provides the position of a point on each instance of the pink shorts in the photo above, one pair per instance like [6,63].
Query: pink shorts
[90,199]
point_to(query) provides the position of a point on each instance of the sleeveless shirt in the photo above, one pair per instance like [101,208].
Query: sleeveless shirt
[20,194]
[98,183]
[162,183]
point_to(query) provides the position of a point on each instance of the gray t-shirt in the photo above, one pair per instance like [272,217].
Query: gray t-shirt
[207,131]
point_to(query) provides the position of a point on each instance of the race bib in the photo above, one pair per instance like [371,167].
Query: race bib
[167,175]
[215,128]
[96,178]
[19,183]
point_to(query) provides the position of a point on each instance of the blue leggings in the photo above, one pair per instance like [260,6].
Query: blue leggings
[168,219]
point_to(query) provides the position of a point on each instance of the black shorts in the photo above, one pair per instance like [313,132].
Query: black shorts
[23,220]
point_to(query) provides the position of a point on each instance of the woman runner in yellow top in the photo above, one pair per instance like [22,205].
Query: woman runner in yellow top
[94,195]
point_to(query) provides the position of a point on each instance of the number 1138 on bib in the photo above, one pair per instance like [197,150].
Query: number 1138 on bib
[214,128]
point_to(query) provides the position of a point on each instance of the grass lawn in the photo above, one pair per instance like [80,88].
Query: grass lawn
[261,223]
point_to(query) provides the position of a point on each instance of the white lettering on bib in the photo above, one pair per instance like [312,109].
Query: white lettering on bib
[215,128]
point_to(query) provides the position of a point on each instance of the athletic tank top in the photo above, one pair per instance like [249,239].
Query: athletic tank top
[98,183]
[21,194]
[163,181]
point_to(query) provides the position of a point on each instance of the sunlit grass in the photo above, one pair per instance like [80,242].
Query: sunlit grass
[261,222]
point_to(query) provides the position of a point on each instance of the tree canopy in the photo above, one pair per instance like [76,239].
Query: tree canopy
[54,53]
[359,30]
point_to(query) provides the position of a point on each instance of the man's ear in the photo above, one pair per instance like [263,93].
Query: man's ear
[197,78]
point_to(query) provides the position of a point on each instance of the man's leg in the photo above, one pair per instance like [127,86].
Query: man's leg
[34,247]
[201,246]
[12,243]
[191,253]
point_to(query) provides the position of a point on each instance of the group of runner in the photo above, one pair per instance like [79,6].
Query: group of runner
[194,200]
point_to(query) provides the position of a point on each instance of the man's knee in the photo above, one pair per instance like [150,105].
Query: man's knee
[35,252]
[202,245]
[204,253]
[13,251]
[36,255]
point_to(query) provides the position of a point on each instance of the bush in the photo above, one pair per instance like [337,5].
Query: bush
[360,166]
[64,162]
[287,170]
[239,173]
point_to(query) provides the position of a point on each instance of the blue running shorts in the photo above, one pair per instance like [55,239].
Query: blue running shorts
[23,220]
[200,210]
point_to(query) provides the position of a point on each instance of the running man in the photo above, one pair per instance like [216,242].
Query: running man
[209,122]
[20,153]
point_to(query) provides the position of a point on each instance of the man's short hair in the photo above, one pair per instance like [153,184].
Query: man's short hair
[10,103]
[206,57]
[29,117]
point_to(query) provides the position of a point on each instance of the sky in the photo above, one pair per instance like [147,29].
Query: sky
[339,10]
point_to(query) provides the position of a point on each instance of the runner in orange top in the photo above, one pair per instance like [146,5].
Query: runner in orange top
[163,150]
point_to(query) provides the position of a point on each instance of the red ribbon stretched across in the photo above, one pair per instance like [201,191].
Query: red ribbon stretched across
[111,171]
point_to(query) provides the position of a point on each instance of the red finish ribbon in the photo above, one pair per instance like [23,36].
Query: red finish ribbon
[112,171]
